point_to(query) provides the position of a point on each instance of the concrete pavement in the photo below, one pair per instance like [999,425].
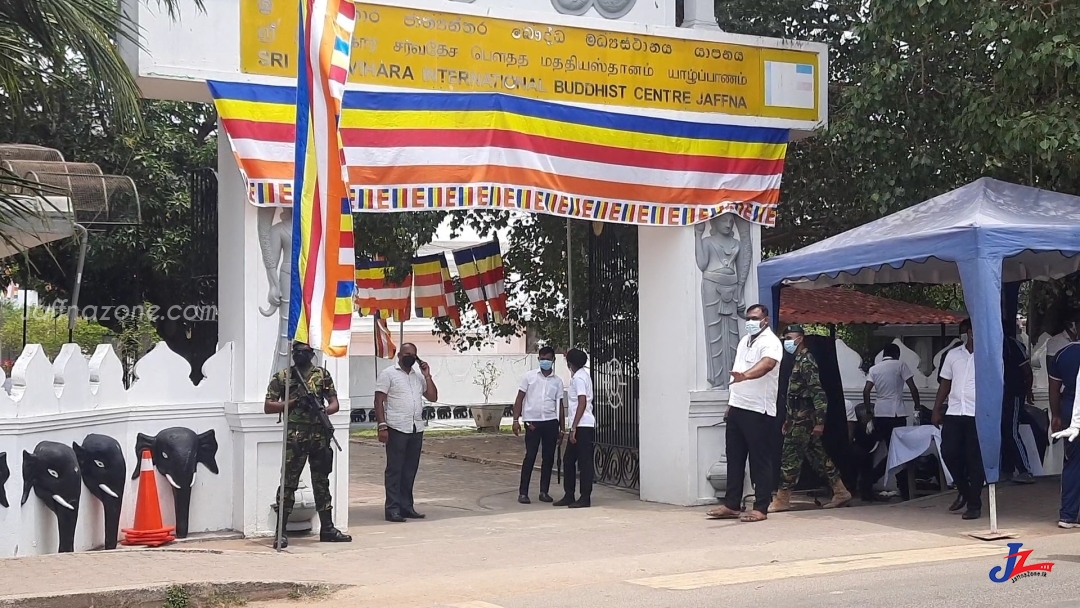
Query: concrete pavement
[480,548]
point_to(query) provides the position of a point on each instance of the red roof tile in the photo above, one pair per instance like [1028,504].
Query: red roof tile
[841,305]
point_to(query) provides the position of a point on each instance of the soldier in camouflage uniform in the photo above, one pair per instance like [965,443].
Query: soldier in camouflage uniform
[308,440]
[806,404]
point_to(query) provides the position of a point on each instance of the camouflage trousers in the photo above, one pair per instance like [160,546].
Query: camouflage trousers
[308,444]
[800,444]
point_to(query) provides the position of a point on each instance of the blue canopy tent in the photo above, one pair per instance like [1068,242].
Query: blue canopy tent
[982,235]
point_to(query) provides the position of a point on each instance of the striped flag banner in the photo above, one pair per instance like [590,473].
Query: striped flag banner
[320,310]
[434,289]
[374,295]
[384,342]
[409,150]
[480,269]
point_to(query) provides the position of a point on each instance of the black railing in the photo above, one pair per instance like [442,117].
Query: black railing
[613,352]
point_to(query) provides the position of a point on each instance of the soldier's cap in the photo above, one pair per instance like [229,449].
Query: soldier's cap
[795,329]
[298,346]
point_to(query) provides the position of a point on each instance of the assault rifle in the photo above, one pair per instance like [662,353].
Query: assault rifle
[313,404]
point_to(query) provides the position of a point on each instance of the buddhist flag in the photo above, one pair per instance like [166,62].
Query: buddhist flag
[374,295]
[384,342]
[434,289]
[480,269]
[320,310]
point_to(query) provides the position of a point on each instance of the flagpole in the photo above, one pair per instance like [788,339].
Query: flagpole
[284,451]
[569,283]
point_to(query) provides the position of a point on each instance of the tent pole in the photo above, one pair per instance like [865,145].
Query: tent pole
[993,508]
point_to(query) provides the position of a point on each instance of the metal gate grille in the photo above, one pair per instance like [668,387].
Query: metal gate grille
[613,352]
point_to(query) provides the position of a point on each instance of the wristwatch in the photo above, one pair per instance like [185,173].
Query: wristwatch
[383,426]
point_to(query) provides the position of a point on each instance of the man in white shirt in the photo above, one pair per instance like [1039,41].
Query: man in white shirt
[1059,341]
[751,428]
[959,435]
[399,407]
[538,404]
[579,449]
[888,378]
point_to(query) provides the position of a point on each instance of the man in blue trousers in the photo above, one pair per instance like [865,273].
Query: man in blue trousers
[1063,369]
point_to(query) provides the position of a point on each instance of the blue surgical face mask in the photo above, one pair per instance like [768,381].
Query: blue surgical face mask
[789,346]
[546,365]
[753,327]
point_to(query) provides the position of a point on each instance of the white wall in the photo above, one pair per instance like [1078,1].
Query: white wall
[65,400]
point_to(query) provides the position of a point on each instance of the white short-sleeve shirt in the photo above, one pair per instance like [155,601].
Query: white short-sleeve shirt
[889,378]
[959,368]
[404,398]
[542,394]
[759,394]
[581,384]
[849,410]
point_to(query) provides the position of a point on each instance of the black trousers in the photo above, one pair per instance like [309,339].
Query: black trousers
[749,435]
[883,428]
[402,462]
[1014,455]
[579,457]
[960,449]
[539,434]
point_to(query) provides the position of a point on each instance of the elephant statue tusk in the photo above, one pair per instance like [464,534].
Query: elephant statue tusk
[107,490]
[171,482]
[63,503]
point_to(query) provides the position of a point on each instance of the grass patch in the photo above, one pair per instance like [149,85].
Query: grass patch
[437,433]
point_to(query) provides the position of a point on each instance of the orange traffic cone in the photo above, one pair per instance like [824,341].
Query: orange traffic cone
[148,530]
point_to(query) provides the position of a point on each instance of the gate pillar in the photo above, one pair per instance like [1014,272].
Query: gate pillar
[681,416]
[242,290]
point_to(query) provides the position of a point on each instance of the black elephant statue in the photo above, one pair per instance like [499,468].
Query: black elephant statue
[104,472]
[5,473]
[176,452]
[52,471]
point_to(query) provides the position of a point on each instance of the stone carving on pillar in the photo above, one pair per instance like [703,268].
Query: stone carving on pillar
[275,242]
[724,261]
[610,9]
[700,15]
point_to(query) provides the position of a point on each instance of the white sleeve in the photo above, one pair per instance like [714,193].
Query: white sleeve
[946,365]
[524,383]
[577,387]
[382,384]
[773,349]
[905,372]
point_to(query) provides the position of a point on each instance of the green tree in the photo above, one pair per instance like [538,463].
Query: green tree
[45,326]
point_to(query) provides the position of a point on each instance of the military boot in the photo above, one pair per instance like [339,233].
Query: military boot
[284,538]
[328,533]
[840,495]
[782,502]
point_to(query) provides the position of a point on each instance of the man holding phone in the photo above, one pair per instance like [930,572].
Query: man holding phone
[399,407]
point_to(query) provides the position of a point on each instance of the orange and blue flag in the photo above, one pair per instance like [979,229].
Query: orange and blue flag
[320,310]
[480,269]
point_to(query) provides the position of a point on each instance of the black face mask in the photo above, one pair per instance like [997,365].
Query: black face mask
[408,360]
[303,357]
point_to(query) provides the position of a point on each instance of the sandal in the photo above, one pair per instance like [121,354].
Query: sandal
[723,512]
[753,516]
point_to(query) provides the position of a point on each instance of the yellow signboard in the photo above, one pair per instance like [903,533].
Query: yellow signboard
[423,49]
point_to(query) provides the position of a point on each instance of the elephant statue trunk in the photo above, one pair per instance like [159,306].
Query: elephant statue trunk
[177,453]
[52,472]
[103,471]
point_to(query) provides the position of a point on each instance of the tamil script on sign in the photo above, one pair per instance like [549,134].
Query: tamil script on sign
[437,51]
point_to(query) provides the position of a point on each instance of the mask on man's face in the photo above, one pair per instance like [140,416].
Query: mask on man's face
[303,357]
[408,360]
[790,346]
[546,365]
[753,327]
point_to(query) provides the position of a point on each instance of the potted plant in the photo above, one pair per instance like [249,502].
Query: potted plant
[488,417]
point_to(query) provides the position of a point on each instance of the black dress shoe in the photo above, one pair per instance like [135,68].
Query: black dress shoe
[958,504]
[972,514]
[524,499]
[580,504]
[565,501]
[333,535]
[544,497]
[395,517]
[284,542]
[410,514]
